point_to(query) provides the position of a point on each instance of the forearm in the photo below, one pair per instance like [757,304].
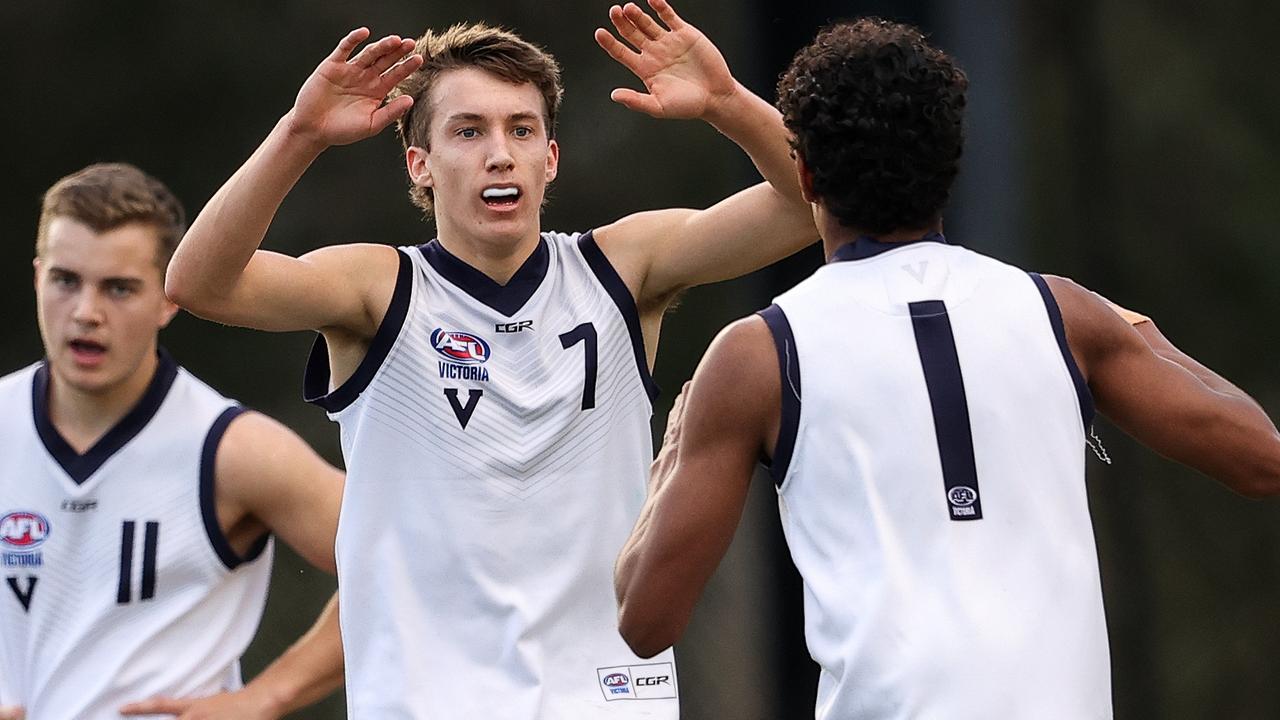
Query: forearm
[309,670]
[756,127]
[220,243]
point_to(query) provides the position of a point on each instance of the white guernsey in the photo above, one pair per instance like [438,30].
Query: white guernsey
[512,423]
[119,582]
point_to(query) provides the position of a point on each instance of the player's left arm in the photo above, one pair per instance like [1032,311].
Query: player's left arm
[268,479]
[715,434]
[664,251]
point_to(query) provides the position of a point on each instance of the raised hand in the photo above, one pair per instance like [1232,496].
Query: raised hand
[342,100]
[685,74]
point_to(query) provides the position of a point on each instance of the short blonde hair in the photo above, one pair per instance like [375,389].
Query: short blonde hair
[492,49]
[106,196]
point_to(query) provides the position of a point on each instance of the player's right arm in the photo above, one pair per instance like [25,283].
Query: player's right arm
[1167,400]
[219,272]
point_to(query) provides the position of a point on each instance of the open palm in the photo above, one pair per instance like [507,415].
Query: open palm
[342,100]
[684,73]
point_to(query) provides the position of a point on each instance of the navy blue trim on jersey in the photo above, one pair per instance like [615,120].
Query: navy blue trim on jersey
[315,379]
[506,299]
[626,303]
[945,383]
[1060,332]
[208,504]
[865,247]
[81,467]
[789,368]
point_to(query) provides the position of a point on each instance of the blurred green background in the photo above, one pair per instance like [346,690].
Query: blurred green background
[1131,144]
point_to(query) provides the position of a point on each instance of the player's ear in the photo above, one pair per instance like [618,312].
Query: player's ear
[35,266]
[418,163]
[806,180]
[553,160]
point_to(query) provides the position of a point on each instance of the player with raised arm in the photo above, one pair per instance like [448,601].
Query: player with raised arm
[493,385]
[926,411]
[137,504]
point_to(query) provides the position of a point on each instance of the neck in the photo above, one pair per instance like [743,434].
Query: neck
[499,258]
[834,234]
[83,417]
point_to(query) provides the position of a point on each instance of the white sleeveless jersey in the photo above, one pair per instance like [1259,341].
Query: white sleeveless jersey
[931,465]
[497,443]
[118,582]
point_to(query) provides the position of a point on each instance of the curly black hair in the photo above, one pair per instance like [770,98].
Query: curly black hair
[876,113]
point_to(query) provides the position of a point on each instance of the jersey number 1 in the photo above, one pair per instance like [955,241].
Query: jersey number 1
[945,383]
[150,541]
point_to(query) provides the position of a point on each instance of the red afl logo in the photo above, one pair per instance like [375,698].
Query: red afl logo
[616,680]
[23,531]
[460,347]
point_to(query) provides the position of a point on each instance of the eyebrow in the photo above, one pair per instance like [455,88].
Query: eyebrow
[123,280]
[476,117]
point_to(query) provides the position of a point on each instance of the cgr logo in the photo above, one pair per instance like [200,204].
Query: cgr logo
[513,327]
[460,347]
[23,531]
[651,681]
[962,496]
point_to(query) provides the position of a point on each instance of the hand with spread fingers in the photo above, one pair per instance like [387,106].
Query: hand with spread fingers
[685,74]
[343,99]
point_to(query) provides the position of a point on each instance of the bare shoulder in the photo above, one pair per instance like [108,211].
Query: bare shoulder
[258,451]
[737,385]
[368,267]
[631,243]
[1094,330]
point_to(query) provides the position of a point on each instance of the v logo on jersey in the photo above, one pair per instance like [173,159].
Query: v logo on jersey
[23,597]
[463,412]
[918,270]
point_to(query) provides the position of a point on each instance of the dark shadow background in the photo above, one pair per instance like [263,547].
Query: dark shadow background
[1131,144]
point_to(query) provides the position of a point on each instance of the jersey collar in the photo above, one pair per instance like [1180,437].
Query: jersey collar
[81,467]
[506,299]
[866,246]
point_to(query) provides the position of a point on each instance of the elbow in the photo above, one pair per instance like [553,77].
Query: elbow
[1262,478]
[177,287]
[645,632]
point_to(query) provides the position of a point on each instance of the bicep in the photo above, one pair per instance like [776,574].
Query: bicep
[333,287]
[277,478]
[675,249]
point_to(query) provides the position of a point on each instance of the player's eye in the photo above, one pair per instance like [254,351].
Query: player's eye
[524,131]
[119,290]
[468,132]
[65,282]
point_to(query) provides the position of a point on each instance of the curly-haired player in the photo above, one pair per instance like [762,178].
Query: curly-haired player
[926,411]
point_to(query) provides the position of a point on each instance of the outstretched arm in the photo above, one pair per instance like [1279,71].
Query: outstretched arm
[218,271]
[1167,400]
[726,416]
[685,75]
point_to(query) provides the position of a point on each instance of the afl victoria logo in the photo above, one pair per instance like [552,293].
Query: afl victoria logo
[460,347]
[962,496]
[616,680]
[23,531]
